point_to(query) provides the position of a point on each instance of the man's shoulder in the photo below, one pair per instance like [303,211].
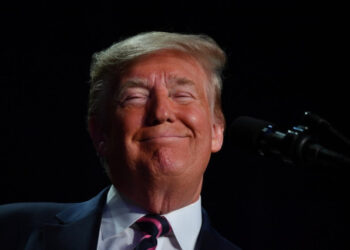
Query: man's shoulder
[19,220]
[209,238]
[30,212]
[46,211]
[22,225]
[221,242]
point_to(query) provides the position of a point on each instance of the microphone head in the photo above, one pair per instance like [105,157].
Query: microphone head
[245,131]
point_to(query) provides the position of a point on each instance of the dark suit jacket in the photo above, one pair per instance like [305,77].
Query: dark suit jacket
[74,226]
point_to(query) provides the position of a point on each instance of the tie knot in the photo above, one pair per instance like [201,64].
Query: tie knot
[154,225]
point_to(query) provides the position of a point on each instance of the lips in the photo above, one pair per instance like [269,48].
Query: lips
[162,138]
[160,135]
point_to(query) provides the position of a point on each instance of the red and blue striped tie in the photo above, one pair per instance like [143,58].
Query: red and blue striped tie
[154,226]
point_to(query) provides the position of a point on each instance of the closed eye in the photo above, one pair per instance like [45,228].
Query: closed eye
[134,96]
[183,97]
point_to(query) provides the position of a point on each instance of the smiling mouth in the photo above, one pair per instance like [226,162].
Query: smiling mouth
[164,138]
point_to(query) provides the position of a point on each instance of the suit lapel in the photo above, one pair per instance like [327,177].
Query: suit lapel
[204,233]
[79,235]
[209,238]
[77,227]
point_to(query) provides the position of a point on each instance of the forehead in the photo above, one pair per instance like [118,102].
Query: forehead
[166,66]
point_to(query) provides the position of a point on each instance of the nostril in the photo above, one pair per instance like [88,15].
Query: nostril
[159,116]
[159,113]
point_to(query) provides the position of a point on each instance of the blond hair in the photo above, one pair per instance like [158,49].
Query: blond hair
[109,64]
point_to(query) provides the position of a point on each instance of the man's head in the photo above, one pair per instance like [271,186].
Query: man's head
[155,116]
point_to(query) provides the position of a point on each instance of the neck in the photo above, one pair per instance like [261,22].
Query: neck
[162,197]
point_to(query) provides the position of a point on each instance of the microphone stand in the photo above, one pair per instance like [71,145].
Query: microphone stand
[303,149]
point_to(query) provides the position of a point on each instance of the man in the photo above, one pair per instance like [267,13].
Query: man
[154,118]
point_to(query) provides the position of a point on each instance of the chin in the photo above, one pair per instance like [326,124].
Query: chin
[166,162]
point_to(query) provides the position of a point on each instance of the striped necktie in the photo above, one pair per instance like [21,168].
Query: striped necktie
[153,226]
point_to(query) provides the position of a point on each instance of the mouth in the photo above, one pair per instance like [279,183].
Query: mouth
[163,138]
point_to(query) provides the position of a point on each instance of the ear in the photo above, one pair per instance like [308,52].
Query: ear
[97,136]
[217,137]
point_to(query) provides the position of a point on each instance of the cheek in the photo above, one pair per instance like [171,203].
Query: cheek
[127,121]
[121,132]
[199,121]
[124,126]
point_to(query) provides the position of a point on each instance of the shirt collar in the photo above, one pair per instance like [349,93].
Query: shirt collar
[120,213]
[186,223]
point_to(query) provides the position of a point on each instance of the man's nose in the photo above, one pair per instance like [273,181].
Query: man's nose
[160,109]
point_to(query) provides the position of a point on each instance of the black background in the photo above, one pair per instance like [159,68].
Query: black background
[284,57]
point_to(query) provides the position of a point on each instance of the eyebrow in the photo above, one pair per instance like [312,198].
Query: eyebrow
[130,83]
[180,81]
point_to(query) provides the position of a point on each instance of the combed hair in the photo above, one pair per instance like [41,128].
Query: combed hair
[108,65]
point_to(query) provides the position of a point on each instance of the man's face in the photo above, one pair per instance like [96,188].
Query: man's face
[162,126]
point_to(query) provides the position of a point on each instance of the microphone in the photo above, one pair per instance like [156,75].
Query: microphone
[296,145]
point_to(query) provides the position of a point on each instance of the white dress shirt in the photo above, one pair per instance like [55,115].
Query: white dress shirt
[117,231]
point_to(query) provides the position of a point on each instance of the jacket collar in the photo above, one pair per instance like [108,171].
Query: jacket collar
[78,225]
[79,211]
